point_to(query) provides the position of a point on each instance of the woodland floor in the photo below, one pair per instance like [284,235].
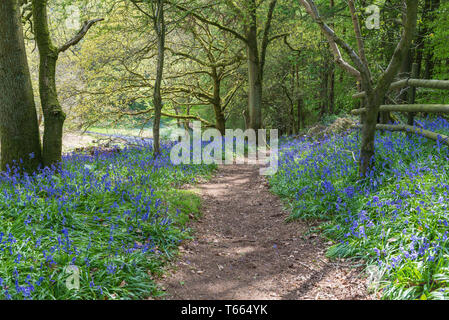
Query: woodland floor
[243,249]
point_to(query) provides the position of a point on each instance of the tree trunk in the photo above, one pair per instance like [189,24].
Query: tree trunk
[411,95]
[331,85]
[422,34]
[368,134]
[324,92]
[54,117]
[300,124]
[220,120]
[374,97]
[331,96]
[159,26]
[429,57]
[254,80]
[19,129]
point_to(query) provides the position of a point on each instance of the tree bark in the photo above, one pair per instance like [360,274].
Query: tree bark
[159,26]
[301,119]
[429,57]
[220,119]
[254,76]
[19,129]
[331,85]
[54,117]
[374,97]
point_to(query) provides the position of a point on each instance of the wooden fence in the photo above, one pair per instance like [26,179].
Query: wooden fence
[411,108]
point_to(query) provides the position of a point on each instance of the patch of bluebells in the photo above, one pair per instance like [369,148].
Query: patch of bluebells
[102,211]
[396,217]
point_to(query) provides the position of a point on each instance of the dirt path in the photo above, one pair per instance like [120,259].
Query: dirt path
[243,249]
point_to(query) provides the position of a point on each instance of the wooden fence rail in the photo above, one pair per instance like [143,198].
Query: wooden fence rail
[411,108]
[428,108]
[418,83]
[406,128]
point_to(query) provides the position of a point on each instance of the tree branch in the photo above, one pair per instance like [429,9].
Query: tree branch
[358,33]
[401,50]
[266,32]
[334,41]
[80,35]
[213,23]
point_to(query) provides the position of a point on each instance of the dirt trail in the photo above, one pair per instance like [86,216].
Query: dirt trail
[243,249]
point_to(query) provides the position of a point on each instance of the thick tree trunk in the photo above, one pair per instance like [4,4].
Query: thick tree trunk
[254,81]
[18,118]
[54,117]
[159,25]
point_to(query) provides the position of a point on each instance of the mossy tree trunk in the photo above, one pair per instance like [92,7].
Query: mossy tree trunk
[254,78]
[19,129]
[54,116]
[220,119]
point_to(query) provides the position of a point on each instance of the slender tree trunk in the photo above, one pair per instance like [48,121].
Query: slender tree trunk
[411,95]
[301,119]
[19,129]
[429,57]
[324,74]
[422,34]
[220,120]
[159,26]
[54,117]
[331,85]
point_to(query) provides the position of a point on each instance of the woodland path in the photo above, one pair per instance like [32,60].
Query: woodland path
[243,249]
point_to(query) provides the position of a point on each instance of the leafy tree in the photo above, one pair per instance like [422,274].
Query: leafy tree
[374,93]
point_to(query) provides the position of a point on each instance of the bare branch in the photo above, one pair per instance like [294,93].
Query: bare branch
[213,23]
[80,35]
[358,33]
[334,41]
